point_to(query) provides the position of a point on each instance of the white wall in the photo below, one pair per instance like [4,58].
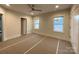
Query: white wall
[29,24]
[46,24]
[75,28]
[12,24]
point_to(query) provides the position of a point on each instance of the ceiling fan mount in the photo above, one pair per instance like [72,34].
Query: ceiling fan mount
[33,8]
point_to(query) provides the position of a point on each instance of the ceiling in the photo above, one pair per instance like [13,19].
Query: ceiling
[24,8]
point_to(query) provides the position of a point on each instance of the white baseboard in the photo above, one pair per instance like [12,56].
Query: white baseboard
[14,36]
[51,36]
[11,37]
[29,32]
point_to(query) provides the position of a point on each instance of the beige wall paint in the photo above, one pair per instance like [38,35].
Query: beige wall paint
[12,23]
[75,28]
[46,24]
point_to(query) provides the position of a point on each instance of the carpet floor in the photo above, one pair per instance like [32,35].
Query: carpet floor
[35,44]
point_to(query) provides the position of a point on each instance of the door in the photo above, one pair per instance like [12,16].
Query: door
[0,27]
[23,26]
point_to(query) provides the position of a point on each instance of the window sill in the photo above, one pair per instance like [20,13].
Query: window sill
[58,32]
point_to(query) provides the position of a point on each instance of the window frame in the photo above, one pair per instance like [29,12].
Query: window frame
[63,25]
[34,24]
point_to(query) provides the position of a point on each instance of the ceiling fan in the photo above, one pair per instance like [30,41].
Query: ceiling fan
[33,8]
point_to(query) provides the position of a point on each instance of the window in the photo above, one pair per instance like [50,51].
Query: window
[58,24]
[36,24]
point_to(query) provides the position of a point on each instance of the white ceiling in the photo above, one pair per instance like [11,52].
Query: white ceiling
[24,8]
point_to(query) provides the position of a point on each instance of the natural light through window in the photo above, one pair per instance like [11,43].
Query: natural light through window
[36,24]
[58,24]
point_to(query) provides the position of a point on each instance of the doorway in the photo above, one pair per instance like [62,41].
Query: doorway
[23,26]
[0,27]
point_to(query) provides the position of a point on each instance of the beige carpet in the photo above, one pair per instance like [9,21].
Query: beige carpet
[35,44]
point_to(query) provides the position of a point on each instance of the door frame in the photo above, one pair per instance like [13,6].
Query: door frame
[22,27]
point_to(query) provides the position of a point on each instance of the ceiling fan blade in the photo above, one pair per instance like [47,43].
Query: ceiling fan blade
[32,7]
[29,5]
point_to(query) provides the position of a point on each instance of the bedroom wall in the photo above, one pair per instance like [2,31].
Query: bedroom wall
[75,27]
[46,24]
[29,24]
[12,23]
